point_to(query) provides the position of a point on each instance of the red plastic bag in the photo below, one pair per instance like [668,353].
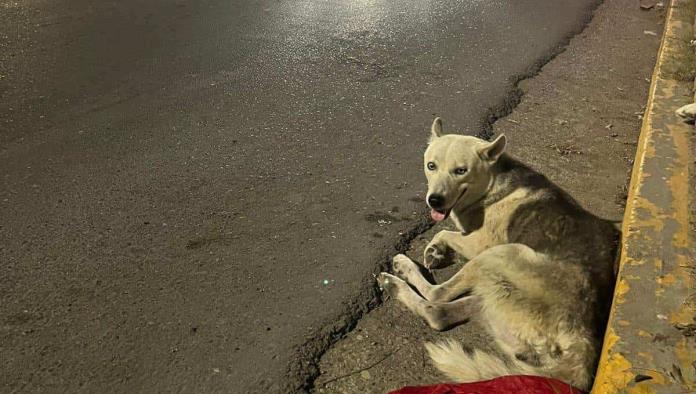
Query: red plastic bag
[503,385]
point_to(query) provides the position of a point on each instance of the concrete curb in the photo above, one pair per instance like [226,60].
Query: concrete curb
[650,342]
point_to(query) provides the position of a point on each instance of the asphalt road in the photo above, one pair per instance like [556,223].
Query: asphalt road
[191,192]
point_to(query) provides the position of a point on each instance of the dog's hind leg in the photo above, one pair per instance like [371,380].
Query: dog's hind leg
[439,316]
[410,271]
[459,284]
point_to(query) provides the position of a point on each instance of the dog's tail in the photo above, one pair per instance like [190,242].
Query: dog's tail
[452,360]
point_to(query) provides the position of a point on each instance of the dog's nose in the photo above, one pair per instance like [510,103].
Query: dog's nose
[436,201]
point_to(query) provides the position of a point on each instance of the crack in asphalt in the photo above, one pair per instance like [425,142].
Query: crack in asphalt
[309,354]
[514,96]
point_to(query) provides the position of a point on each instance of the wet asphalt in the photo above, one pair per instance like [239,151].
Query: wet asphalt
[193,191]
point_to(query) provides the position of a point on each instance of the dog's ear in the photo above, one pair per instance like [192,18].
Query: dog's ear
[436,129]
[492,150]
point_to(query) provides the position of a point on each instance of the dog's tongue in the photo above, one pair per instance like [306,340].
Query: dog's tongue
[437,216]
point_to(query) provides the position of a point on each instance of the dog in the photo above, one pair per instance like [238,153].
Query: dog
[539,274]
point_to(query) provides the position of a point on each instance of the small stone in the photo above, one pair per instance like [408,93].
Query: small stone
[365,375]
[647,4]
[687,112]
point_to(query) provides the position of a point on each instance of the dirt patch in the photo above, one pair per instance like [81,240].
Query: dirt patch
[682,67]
[689,52]
[692,216]
[578,122]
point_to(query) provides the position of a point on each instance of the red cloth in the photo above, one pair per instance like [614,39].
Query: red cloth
[503,385]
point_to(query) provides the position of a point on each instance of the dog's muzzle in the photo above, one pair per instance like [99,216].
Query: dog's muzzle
[437,212]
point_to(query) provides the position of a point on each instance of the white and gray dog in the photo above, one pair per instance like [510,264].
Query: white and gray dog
[540,269]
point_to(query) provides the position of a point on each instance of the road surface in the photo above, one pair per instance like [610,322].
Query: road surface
[194,193]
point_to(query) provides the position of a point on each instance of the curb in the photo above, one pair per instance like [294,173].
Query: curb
[650,341]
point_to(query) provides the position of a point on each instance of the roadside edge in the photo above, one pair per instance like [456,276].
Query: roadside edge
[650,340]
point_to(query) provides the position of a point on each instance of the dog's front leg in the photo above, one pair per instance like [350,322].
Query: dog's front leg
[440,251]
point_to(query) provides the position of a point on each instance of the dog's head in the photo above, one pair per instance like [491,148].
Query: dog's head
[458,168]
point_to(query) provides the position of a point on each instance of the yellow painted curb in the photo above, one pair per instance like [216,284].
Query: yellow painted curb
[650,342]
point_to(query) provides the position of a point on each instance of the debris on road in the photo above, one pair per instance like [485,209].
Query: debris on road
[687,112]
[647,4]
[502,385]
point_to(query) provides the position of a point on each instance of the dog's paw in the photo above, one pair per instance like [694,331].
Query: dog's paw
[389,283]
[404,267]
[436,255]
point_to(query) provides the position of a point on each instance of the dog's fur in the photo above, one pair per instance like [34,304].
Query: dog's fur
[539,274]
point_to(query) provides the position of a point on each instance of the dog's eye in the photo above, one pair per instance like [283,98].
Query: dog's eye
[431,166]
[460,171]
